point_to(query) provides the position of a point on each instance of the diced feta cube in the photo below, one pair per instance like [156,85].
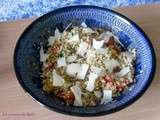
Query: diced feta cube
[82,48]
[91,81]
[90,55]
[57,79]
[61,62]
[72,69]
[96,70]
[43,56]
[77,94]
[83,24]
[123,72]
[71,58]
[51,39]
[82,72]
[107,96]
[97,44]
[57,32]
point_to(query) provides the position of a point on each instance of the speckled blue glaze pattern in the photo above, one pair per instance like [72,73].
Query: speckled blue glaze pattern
[15,9]
[27,65]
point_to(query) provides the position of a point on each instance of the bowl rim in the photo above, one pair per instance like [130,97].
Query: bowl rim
[131,101]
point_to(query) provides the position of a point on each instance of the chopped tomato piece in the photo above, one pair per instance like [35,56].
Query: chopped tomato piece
[119,88]
[70,96]
[67,96]
[50,66]
[108,78]
[56,48]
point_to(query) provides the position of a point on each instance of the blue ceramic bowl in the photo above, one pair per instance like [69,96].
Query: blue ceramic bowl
[27,64]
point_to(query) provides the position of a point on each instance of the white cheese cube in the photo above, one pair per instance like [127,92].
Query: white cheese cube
[71,58]
[51,39]
[83,24]
[107,96]
[77,94]
[82,48]
[123,72]
[97,44]
[90,55]
[61,62]
[90,84]
[96,70]
[43,56]
[72,69]
[57,79]
[82,72]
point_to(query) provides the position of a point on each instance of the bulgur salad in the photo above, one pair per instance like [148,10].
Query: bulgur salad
[86,67]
